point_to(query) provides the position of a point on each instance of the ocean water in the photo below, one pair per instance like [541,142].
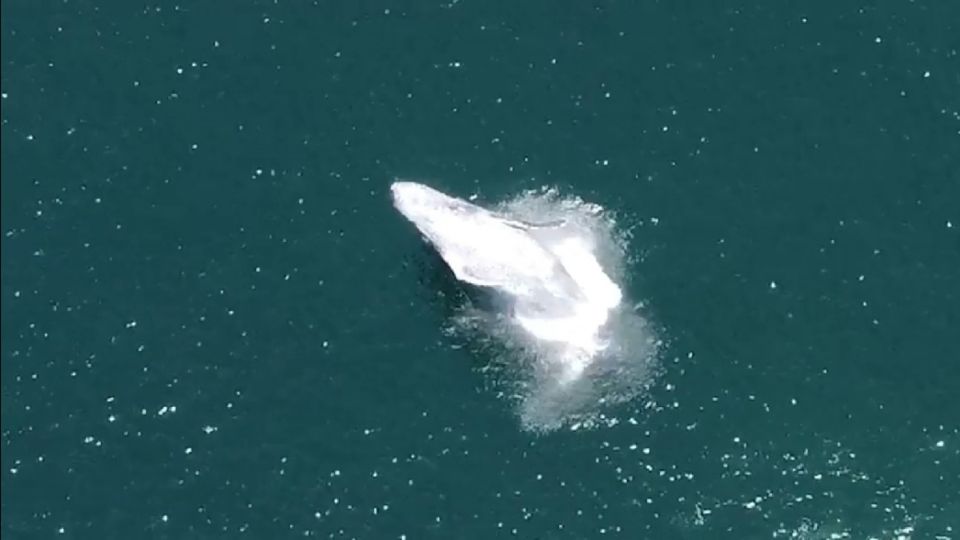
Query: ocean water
[215,325]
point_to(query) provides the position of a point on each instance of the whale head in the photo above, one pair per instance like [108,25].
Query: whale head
[422,204]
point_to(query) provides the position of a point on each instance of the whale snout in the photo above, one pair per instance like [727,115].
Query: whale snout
[410,198]
[398,188]
[416,200]
[411,193]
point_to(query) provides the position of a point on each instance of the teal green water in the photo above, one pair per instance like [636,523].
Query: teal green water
[214,324]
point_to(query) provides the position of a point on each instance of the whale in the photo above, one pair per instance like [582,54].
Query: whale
[558,289]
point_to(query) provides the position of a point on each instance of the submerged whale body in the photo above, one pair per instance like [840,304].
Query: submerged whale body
[559,291]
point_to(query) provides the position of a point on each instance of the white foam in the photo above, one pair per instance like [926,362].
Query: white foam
[566,366]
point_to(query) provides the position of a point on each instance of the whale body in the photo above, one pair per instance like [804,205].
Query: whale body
[560,292]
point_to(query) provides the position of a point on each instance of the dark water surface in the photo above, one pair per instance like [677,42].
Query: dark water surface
[214,325]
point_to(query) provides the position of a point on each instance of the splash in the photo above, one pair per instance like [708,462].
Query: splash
[566,365]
